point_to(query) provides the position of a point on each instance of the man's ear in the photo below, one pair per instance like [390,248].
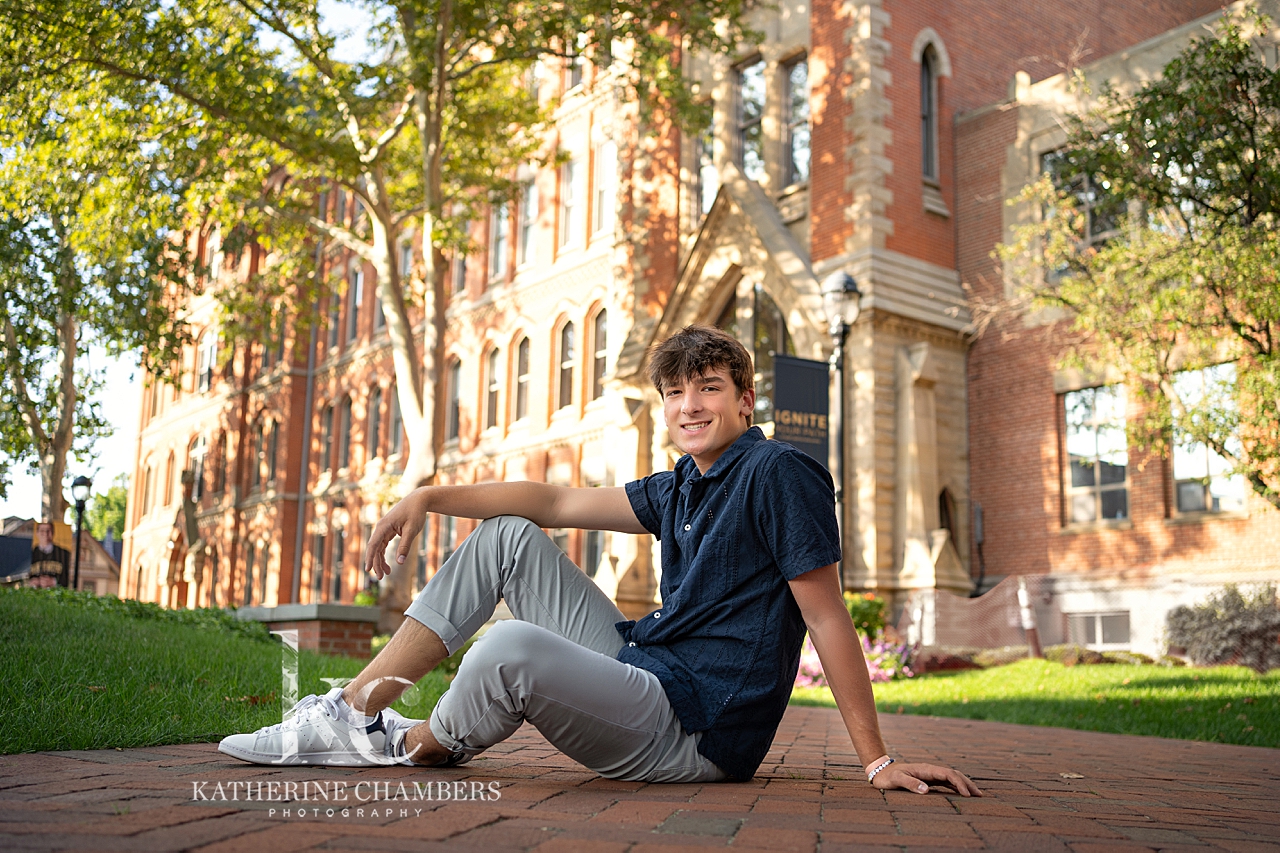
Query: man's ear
[747,404]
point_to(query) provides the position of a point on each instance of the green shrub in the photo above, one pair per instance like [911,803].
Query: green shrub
[366,598]
[866,611]
[1231,627]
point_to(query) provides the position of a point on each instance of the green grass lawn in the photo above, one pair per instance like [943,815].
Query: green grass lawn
[1225,704]
[77,677]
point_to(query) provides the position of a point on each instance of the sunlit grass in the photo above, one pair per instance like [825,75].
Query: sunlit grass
[77,678]
[1225,704]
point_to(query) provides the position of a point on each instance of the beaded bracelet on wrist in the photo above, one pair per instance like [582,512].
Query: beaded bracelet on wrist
[872,775]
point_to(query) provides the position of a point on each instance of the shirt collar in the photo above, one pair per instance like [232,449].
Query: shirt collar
[726,460]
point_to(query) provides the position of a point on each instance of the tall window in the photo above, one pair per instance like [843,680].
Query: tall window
[355,284]
[148,490]
[335,318]
[522,379]
[406,259]
[706,175]
[170,481]
[453,417]
[493,384]
[1097,455]
[570,201]
[195,461]
[500,239]
[317,567]
[340,205]
[459,273]
[769,336]
[206,359]
[397,424]
[528,220]
[220,465]
[448,537]
[255,461]
[339,559]
[606,168]
[250,559]
[217,258]
[564,395]
[600,353]
[344,434]
[375,423]
[751,90]
[929,113]
[420,575]
[273,451]
[1203,480]
[326,439]
[798,121]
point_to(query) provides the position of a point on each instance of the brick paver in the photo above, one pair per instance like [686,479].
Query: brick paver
[1047,789]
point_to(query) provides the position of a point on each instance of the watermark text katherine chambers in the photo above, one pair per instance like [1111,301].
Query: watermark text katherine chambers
[340,798]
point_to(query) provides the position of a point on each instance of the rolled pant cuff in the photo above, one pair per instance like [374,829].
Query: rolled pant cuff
[438,623]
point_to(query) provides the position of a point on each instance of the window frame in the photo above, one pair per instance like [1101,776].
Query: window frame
[599,352]
[566,354]
[529,209]
[930,168]
[493,385]
[453,412]
[523,375]
[793,124]
[1097,488]
[750,130]
[570,203]
[499,241]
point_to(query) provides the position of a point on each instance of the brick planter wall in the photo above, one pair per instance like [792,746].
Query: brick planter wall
[332,629]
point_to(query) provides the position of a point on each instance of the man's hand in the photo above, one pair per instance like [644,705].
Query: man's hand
[917,777]
[406,520]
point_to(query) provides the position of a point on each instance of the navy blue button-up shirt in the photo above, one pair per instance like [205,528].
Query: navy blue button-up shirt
[726,642]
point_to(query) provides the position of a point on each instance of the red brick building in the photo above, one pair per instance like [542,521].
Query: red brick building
[879,139]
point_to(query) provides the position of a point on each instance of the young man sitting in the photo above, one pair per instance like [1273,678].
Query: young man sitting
[694,691]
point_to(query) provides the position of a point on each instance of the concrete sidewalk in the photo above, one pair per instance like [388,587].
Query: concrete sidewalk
[1047,790]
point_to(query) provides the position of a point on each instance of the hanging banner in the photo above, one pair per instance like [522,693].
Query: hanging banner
[800,405]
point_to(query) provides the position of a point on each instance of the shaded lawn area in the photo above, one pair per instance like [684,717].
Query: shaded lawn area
[1226,704]
[78,678]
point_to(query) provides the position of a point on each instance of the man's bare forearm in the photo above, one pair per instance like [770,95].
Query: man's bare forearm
[544,504]
[840,651]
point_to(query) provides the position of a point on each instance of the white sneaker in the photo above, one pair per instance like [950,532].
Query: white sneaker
[319,733]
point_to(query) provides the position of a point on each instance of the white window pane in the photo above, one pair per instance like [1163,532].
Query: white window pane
[1084,506]
[1228,493]
[1190,462]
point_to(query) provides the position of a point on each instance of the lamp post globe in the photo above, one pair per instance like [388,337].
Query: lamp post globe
[80,491]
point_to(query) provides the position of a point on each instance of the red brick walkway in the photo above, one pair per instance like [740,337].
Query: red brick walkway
[1048,790]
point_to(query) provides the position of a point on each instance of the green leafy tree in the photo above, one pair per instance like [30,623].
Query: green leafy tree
[1188,167]
[424,131]
[87,194]
[107,509]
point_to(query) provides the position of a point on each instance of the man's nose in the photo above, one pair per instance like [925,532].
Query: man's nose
[692,403]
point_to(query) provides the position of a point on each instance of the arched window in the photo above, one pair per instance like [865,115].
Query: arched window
[205,360]
[255,460]
[600,353]
[568,352]
[220,465]
[522,379]
[355,287]
[273,450]
[148,489]
[326,439]
[169,480]
[250,553]
[375,422]
[492,384]
[196,452]
[344,434]
[397,424]
[453,416]
[929,113]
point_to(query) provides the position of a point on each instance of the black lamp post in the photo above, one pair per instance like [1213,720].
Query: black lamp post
[843,302]
[80,491]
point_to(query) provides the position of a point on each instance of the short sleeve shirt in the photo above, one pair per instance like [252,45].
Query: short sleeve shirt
[726,642]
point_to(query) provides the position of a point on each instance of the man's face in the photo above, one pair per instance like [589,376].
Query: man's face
[706,415]
[44,535]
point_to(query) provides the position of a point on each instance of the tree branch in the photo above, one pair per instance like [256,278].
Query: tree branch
[20,391]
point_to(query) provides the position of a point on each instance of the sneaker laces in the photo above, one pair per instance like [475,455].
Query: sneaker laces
[305,709]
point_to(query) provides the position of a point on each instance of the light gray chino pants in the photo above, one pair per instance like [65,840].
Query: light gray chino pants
[555,665]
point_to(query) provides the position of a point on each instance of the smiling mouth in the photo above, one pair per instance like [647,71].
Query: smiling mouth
[695,427]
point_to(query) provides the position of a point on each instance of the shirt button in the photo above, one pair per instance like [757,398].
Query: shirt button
[657,616]
[632,645]
[687,526]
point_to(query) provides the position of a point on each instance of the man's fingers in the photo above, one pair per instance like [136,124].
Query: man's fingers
[407,537]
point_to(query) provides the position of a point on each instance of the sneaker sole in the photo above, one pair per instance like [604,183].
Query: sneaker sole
[328,759]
